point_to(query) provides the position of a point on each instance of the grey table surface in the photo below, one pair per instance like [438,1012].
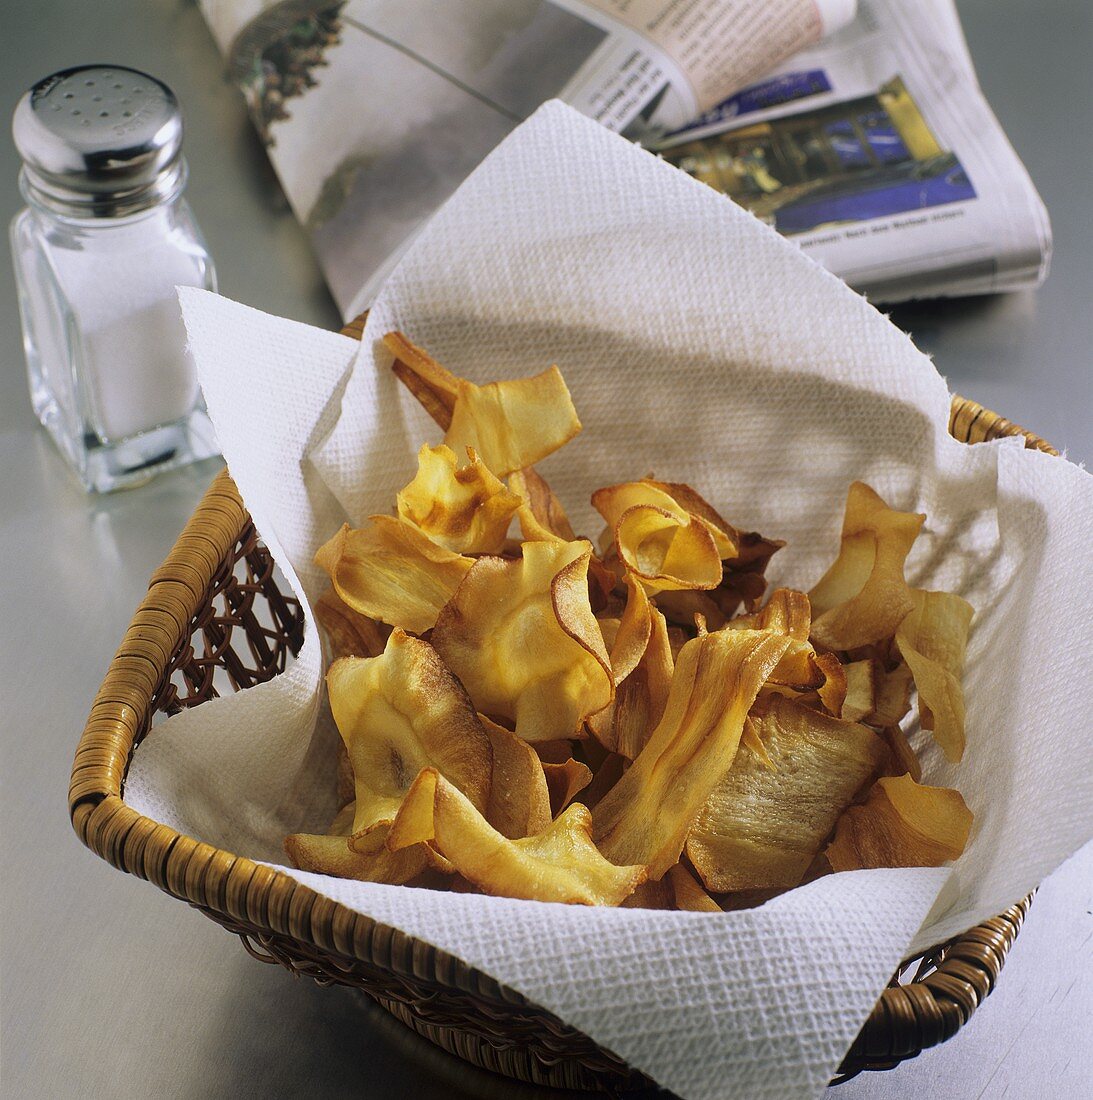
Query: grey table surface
[111,989]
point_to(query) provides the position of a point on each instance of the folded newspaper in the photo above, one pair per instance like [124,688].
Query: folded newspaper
[855,127]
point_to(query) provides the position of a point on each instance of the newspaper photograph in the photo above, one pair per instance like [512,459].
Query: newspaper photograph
[855,129]
[877,153]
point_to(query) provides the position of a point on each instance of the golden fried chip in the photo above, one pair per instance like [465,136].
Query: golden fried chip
[346,785]
[434,386]
[514,423]
[651,894]
[522,638]
[399,713]
[832,691]
[863,597]
[519,803]
[331,854]
[541,514]
[861,698]
[787,612]
[464,509]
[901,757]
[725,535]
[932,640]
[658,540]
[801,669]
[892,695]
[392,572]
[640,699]
[351,634]
[564,781]
[645,817]
[901,824]
[665,553]
[559,864]
[687,894]
[553,752]
[680,606]
[761,828]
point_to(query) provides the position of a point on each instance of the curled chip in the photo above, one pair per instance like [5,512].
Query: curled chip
[640,698]
[558,864]
[541,513]
[861,690]
[521,636]
[351,634]
[401,712]
[564,781]
[932,640]
[645,817]
[392,572]
[434,386]
[666,553]
[375,862]
[515,423]
[863,597]
[660,541]
[464,509]
[519,803]
[766,819]
[901,824]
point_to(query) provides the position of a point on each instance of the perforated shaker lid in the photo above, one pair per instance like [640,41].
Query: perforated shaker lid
[99,141]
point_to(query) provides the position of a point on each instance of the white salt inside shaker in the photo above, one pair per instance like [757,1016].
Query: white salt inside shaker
[104,241]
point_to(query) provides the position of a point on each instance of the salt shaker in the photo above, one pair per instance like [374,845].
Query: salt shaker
[103,241]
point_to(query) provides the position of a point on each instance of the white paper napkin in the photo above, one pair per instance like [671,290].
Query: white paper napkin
[700,345]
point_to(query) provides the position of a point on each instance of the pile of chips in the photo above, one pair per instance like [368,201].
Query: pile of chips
[630,722]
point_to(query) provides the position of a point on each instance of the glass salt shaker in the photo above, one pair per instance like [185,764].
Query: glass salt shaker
[103,241]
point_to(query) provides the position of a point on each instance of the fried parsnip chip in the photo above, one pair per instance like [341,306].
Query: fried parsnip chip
[932,640]
[640,699]
[901,757]
[725,535]
[564,781]
[514,423]
[651,894]
[541,514]
[892,695]
[392,572]
[434,386]
[351,634]
[901,824]
[761,828]
[519,803]
[658,540]
[399,713]
[559,864]
[666,553]
[331,854]
[465,509]
[521,636]
[681,606]
[645,817]
[688,894]
[861,697]
[863,597]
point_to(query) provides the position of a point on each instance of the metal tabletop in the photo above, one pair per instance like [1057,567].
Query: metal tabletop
[111,989]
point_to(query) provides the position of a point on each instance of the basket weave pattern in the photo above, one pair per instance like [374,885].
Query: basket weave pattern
[214,612]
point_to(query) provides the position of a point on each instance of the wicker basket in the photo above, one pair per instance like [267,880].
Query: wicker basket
[214,615]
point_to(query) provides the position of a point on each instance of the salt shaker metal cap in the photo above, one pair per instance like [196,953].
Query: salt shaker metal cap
[99,141]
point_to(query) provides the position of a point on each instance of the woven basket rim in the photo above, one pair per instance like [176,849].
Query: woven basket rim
[242,892]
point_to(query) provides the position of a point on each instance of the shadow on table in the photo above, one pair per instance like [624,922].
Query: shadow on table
[305,1040]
